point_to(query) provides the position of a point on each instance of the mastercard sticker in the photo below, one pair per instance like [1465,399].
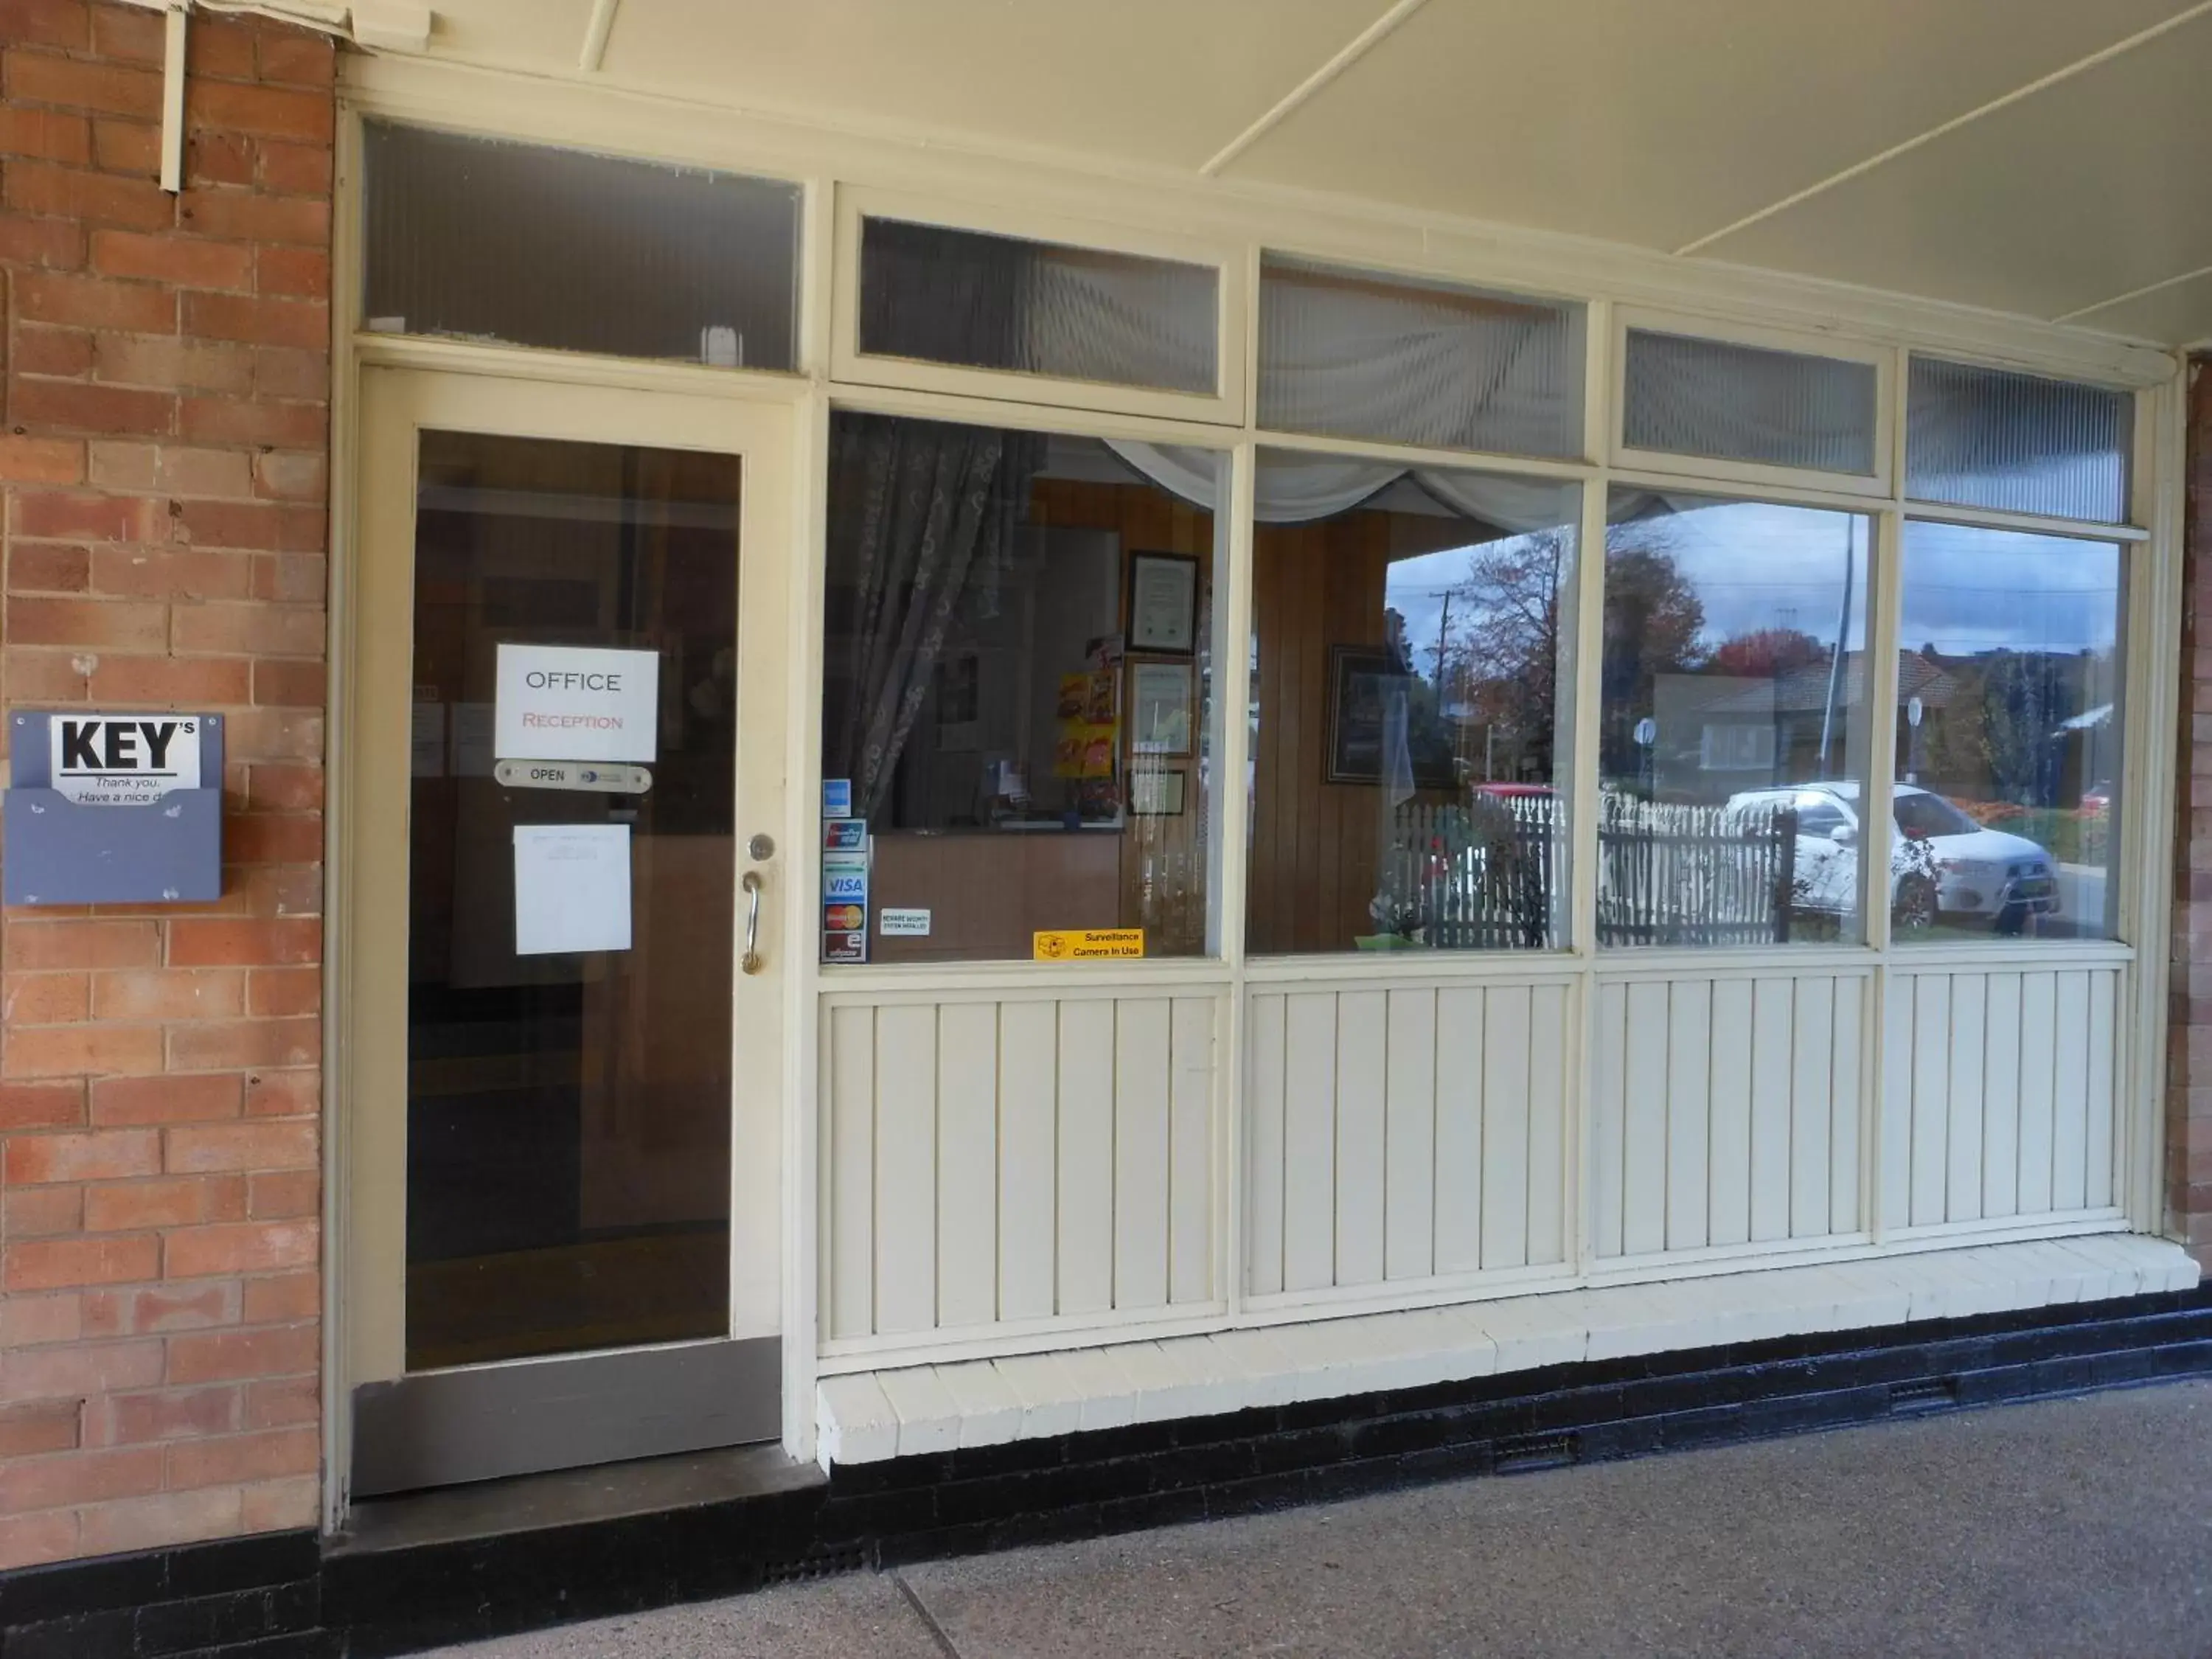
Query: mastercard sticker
[844,918]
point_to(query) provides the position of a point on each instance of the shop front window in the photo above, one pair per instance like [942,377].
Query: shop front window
[1017,725]
[2009,738]
[1412,705]
[1733,723]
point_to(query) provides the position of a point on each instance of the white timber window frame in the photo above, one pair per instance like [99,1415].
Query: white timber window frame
[1045,199]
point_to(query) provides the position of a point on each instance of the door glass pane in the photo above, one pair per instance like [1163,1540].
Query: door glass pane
[570,947]
[1733,723]
[2009,753]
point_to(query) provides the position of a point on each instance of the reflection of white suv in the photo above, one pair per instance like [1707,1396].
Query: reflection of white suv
[1940,861]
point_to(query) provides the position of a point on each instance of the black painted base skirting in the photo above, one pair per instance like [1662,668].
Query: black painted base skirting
[284,1594]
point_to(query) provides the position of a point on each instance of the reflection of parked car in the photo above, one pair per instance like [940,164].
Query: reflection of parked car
[2097,800]
[1942,863]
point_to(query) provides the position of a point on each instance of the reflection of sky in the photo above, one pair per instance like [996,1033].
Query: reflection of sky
[1968,590]
[1756,565]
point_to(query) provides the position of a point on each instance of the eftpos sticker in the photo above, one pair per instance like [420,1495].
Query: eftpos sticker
[836,797]
[844,947]
[122,759]
[844,880]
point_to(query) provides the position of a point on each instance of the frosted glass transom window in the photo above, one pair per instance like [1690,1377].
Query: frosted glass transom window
[1722,400]
[974,300]
[1349,354]
[2020,443]
[482,239]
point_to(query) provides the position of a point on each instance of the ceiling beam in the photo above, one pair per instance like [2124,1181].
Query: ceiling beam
[1351,52]
[2163,283]
[595,36]
[1952,125]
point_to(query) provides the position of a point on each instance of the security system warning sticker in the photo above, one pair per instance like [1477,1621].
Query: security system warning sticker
[123,760]
[1084,944]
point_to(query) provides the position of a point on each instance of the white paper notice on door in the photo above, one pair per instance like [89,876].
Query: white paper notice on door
[571,887]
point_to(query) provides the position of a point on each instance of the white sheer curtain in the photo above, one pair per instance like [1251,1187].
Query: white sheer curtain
[1296,489]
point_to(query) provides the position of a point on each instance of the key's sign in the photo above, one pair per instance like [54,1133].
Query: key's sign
[123,760]
[560,702]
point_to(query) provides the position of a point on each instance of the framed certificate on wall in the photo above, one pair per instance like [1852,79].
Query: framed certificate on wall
[1163,603]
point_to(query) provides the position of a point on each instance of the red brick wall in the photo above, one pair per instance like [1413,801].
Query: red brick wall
[163,458]
[2189,1052]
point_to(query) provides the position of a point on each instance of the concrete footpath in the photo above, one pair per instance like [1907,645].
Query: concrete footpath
[2060,1528]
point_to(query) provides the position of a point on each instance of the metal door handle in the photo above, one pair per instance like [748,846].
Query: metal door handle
[750,961]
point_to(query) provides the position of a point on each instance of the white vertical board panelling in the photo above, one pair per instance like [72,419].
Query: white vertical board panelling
[1608,1116]
[906,1165]
[1423,1134]
[1739,1105]
[2007,1079]
[967,1164]
[1310,1141]
[1458,1200]
[848,1251]
[1263,1140]
[1143,1079]
[1773,1033]
[1409,1157]
[1728,1211]
[1812,1087]
[1547,1125]
[1643,1136]
[1190,1153]
[1086,1197]
[1362,1044]
[2001,1095]
[1689,1130]
[994,1162]
[1029,1156]
[1505,1125]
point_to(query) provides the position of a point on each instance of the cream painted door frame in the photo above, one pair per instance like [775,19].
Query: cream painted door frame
[373,752]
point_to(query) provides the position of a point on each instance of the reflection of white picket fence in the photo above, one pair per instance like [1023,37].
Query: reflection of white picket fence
[1480,876]
[1671,873]
[1476,876]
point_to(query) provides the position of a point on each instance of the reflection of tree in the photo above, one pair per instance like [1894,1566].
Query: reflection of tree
[1995,739]
[1503,663]
[1653,617]
[1768,654]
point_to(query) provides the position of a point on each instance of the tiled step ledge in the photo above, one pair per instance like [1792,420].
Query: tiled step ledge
[865,1417]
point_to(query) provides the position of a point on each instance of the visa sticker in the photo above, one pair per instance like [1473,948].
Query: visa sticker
[845,885]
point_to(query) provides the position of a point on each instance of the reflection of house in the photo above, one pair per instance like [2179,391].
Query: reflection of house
[1716,730]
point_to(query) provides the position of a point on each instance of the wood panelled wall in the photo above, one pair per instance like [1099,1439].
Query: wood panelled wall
[1148,521]
[1315,585]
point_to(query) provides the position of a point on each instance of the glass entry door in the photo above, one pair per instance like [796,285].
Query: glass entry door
[569,1172]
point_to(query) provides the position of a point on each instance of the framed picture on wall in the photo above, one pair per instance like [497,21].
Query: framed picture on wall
[1164,603]
[1156,794]
[1160,708]
[1371,701]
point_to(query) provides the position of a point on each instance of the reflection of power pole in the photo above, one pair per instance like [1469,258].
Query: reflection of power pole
[1836,660]
[1444,636]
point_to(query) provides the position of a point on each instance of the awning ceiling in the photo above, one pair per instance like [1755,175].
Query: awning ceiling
[2051,158]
